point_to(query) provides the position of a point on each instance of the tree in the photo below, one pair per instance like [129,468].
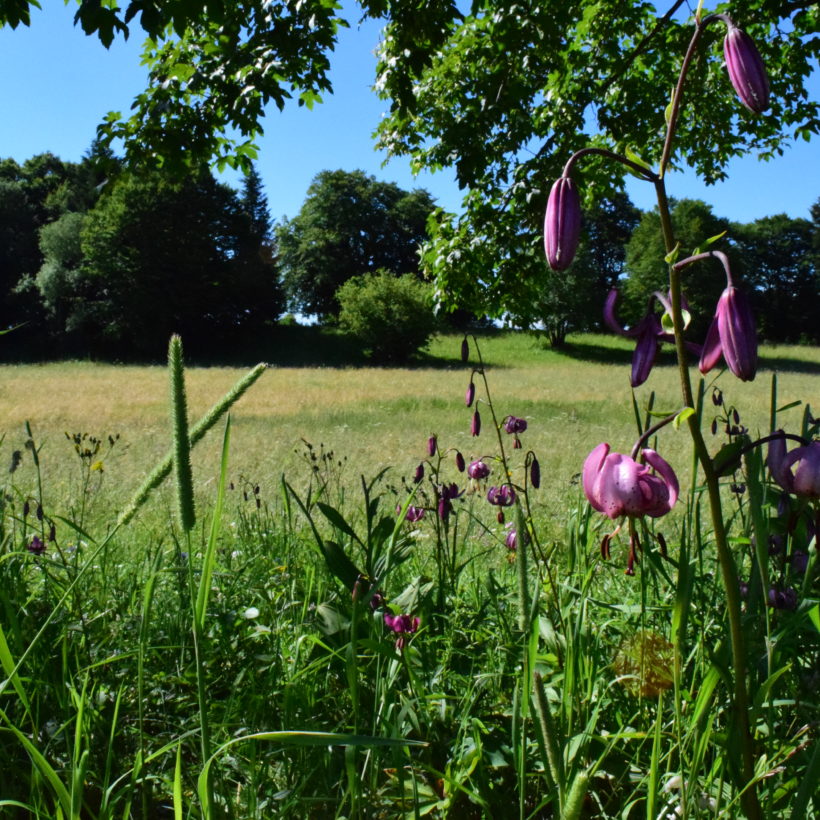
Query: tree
[349,224]
[504,94]
[646,269]
[163,256]
[583,74]
[776,252]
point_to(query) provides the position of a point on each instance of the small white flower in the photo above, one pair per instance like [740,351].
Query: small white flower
[250,613]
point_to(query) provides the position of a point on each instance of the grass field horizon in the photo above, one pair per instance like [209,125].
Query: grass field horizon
[372,417]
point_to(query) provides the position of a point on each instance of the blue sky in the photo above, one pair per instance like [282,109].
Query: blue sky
[58,85]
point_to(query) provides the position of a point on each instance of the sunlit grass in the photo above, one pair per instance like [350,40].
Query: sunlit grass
[373,417]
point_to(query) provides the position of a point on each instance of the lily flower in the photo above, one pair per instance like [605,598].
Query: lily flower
[732,335]
[478,470]
[446,494]
[401,625]
[562,224]
[617,485]
[802,480]
[648,332]
[503,496]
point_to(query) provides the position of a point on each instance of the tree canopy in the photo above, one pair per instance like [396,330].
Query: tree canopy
[350,224]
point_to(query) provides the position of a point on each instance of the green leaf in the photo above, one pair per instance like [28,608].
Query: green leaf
[337,520]
[682,416]
[672,256]
[727,459]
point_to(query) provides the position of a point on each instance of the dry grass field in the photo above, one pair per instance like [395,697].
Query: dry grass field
[373,417]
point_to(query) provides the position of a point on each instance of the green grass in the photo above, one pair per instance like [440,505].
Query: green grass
[148,652]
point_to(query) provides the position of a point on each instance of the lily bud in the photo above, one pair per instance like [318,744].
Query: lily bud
[535,473]
[469,396]
[475,424]
[460,464]
[432,446]
[465,349]
[733,335]
[562,224]
[746,70]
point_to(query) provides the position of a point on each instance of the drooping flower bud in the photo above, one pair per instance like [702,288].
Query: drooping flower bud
[746,69]
[419,474]
[732,334]
[535,473]
[562,224]
[475,424]
[469,396]
[432,446]
[465,349]
[460,465]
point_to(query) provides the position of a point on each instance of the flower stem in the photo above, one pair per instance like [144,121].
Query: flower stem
[728,570]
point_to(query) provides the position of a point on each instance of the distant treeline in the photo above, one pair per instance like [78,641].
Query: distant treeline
[97,261]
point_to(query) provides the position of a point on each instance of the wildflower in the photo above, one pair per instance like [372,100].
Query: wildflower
[419,474]
[469,396]
[648,332]
[511,540]
[535,473]
[514,425]
[478,470]
[459,461]
[432,446]
[746,70]
[446,494]
[475,424]
[413,514]
[782,598]
[732,334]
[36,546]
[617,485]
[804,480]
[562,224]
[503,496]
[401,625]
[465,349]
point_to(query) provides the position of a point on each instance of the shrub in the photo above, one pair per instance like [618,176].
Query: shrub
[391,316]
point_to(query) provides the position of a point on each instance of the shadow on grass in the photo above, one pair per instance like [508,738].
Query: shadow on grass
[590,351]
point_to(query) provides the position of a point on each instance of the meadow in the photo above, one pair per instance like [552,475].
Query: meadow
[259,663]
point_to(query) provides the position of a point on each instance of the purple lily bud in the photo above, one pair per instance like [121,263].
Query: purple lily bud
[432,446]
[511,540]
[475,424]
[419,474]
[562,224]
[617,485]
[469,396]
[465,349]
[535,473]
[459,462]
[800,561]
[478,470]
[746,69]
[732,334]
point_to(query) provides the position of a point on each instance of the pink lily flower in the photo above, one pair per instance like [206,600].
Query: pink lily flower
[617,485]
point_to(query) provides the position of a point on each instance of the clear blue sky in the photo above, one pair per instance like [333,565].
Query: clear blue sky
[58,84]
